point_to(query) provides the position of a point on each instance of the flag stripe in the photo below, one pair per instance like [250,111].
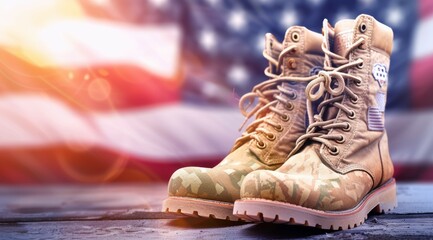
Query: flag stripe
[423,36]
[61,164]
[98,88]
[410,136]
[170,133]
[84,42]
[175,131]
[421,83]
[425,8]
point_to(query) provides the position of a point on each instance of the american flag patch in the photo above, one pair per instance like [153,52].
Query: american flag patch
[375,119]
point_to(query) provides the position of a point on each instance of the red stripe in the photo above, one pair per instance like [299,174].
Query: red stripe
[86,88]
[421,83]
[425,8]
[414,172]
[65,165]
[62,164]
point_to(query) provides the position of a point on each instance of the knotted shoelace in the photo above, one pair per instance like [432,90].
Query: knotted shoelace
[331,83]
[267,95]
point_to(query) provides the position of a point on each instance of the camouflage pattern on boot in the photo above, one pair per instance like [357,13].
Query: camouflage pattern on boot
[266,143]
[341,168]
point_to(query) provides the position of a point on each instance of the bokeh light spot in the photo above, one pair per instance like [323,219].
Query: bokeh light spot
[99,89]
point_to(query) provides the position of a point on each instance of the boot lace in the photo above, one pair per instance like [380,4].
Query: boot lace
[267,95]
[331,83]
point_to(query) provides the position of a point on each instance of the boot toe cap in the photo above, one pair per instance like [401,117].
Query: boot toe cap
[305,190]
[265,184]
[206,183]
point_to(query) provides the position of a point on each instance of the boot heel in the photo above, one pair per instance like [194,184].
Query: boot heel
[387,198]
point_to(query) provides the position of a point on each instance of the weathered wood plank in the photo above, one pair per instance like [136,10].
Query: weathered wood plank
[414,198]
[129,212]
[377,227]
[56,203]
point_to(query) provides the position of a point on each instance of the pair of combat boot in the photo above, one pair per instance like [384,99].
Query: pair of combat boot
[317,152]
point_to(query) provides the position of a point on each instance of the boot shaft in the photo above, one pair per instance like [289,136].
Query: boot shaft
[364,145]
[375,52]
[303,59]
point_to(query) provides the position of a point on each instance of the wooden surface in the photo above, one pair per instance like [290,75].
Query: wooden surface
[133,211]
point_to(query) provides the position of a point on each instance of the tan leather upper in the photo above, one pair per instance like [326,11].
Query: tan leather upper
[364,149]
[327,172]
[381,35]
[307,56]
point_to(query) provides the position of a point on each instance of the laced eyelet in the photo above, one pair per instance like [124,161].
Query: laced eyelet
[291,63]
[358,83]
[341,140]
[351,115]
[261,145]
[271,136]
[289,106]
[360,65]
[348,128]
[334,151]
[294,96]
[295,36]
[279,128]
[354,100]
[285,117]
[363,27]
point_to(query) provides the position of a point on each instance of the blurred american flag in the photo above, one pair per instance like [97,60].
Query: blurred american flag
[131,90]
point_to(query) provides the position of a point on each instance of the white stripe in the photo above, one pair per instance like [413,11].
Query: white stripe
[171,132]
[423,39]
[90,42]
[410,136]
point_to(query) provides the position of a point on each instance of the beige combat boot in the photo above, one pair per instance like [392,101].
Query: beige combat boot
[341,168]
[280,112]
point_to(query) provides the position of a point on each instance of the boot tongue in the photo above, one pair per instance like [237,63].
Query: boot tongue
[343,36]
[308,43]
[342,39]
[272,46]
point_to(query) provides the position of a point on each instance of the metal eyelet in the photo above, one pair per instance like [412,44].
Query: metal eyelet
[271,137]
[295,37]
[354,100]
[334,152]
[341,140]
[348,128]
[285,117]
[289,106]
[363,27]
[351,115]
[279,128]
[261,145]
